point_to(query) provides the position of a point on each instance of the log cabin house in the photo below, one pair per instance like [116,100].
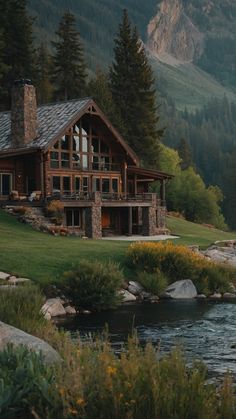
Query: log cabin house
[70,151]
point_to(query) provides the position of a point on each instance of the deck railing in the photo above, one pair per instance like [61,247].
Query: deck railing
[106,197]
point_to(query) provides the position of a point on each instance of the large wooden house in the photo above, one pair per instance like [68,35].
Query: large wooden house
[69,151]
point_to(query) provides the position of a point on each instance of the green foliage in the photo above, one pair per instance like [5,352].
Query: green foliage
[132,85]
[55,210]
[155,282]
[27,386]
[179,262]
[185,154]
[43,83]
[18,51]
[20,307]
[99,88]
[68,67]
[93,285]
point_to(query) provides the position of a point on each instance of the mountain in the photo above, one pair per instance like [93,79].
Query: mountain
[191,42]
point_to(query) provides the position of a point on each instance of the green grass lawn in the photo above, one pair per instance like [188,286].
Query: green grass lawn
[41,256]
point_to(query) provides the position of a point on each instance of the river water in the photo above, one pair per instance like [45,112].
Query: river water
[206,330]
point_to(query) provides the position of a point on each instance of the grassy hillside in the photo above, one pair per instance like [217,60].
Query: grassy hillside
[190,86]
[40,256]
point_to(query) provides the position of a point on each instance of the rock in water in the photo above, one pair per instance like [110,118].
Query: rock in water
[16,337]
[184,289]
[135,288]
[54,307]
[126,296]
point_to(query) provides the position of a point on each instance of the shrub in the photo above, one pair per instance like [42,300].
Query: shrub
[55,210]
[155,282]
[20,307]
[180,262]
[93,285]
[27,386]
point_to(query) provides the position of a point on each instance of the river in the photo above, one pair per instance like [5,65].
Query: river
[206,330]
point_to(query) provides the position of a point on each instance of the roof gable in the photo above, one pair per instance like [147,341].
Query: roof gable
[53,120]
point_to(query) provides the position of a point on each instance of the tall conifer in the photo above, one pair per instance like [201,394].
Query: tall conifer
[19,52]
[43,83]
[69,73]
[132,85]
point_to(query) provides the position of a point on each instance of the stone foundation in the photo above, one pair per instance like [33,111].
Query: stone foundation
[93,222]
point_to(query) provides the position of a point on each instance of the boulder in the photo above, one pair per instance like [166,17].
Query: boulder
[13,280]
[184,289]
[16,337]
[127,297]
[201,297]
[135,288]
[54,307]
[70,310]
[229,295]
[215,296]
[4,275]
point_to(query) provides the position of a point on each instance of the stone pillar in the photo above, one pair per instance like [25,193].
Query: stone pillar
[149,221]
[93,222]
[161,217]
[24,124]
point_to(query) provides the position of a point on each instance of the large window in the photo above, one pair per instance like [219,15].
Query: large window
[82,148]
[5,183]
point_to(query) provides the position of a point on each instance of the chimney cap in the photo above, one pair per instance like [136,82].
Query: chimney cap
[22,82]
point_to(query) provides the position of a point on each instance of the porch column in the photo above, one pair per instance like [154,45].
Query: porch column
[93,218]
[149,221]
[163,191]
[130,231]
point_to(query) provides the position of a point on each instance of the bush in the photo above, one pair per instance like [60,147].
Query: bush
[155,282]
[27,386]
[20,307]
[180,262]
[92,285]
[55,210]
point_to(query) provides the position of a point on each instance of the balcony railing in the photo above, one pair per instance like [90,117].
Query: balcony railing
[105,197]
[98,166]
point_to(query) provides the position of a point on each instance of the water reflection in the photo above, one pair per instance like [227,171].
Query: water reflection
[206,330]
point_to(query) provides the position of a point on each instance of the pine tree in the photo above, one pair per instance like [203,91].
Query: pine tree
[68,71]
[99,88]
[19,52]
[3,66]
[185,154]
[132,85]
[43,66]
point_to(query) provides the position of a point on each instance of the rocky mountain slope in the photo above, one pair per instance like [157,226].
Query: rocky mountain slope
[184,37]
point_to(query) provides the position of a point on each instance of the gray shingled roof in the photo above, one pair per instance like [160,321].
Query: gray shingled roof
[52,118]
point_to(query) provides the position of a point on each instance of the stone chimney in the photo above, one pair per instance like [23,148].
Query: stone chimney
[24,125]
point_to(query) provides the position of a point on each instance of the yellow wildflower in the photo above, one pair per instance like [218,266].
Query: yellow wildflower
[111,370]
[80,402]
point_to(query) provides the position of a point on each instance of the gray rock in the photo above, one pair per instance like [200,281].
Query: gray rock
[135,288]
[16,337]
[127,296]
[70,310]
[54,307]
[154,299]
[215,296]
[4,275]
[184,289]
[13,280]
[201,297]
[229,295]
